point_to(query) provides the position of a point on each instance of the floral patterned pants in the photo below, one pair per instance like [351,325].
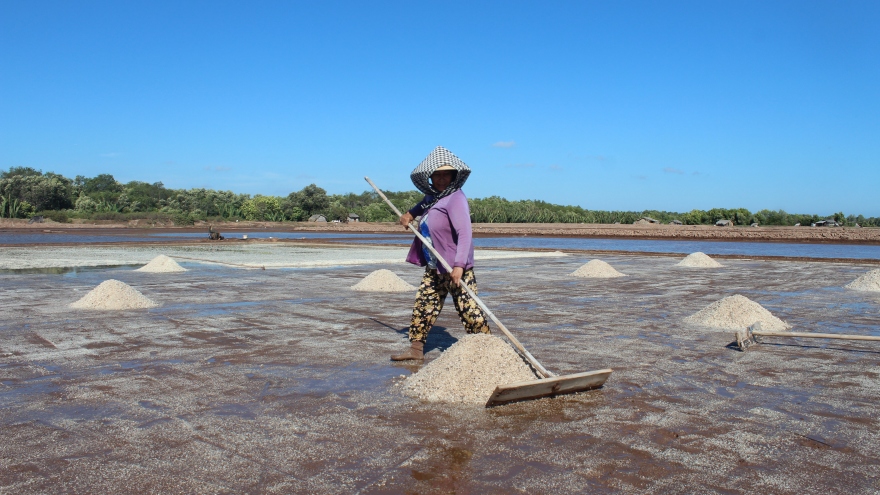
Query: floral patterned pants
[429,301]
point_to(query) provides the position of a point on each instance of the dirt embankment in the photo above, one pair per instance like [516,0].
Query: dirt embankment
[795,234]
[799,234]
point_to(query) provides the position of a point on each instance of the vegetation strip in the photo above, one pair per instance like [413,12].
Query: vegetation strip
[27,193]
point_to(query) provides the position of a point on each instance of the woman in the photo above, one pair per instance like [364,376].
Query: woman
[446,222]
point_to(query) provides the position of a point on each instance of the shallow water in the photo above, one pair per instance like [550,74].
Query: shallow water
[849,251]
[67,271]
[788,249]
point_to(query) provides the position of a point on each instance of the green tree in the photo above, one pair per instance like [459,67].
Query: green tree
[20,172]
[85,204]
[103,183]
[295,214]
[142,196]
[102,188]
[311,199]
[43,192]
[740,216]
[378,212]
[338,211]
[262,208]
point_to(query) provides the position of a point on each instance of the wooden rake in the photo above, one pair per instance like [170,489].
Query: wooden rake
[549,385]
[746,338]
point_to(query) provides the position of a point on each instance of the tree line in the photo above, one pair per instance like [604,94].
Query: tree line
[26,192]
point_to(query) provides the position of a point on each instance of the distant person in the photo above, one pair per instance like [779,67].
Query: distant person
[213,234]
[446,222]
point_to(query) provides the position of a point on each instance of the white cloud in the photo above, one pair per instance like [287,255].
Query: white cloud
[670,170]
[504,144]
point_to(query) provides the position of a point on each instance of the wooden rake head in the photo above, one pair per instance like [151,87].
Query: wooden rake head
[745,338]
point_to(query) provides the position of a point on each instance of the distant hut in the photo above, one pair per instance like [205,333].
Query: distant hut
[645,221]
[318,218]
[675,222]
[353,217]
[650,220]
[755,224]
[828,222]
[723,223]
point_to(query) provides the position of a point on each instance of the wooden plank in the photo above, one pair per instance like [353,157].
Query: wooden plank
[548,387]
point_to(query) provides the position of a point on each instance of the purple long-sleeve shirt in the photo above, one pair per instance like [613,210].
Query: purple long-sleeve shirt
[449,222]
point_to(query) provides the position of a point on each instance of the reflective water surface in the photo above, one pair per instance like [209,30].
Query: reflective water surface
[788,249]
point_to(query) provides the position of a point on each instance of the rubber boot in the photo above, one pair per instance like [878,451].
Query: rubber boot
[416,351]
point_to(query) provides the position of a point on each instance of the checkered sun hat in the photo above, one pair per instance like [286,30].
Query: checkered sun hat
[439,157]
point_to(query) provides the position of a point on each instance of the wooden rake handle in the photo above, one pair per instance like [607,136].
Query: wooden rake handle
[519,347]
[840,336]
[755,329]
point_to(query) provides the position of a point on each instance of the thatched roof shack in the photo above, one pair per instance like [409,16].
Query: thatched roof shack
[724,223]
[318,218]
[645,221]
[828,222]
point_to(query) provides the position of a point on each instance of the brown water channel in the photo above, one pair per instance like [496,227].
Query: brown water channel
[278,381]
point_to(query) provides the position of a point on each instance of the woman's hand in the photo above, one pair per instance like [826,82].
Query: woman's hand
[456,274]
[405,220]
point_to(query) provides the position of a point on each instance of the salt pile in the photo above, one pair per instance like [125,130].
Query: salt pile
[469,371]
[596,269]
[113,294]
[867,282]
[161,264]
[383,281]
[736,312]
[699,260]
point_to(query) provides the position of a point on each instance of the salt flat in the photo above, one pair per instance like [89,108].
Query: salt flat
[278,380]
[241,254]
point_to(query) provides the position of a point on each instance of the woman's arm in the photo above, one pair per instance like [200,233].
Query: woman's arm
[413,212]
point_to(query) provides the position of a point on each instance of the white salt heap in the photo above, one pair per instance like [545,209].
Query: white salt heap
[161,264]
[113,294]
[383,281]
[469,371]
[699,260]
[867,282]
[596,269]
[736,312]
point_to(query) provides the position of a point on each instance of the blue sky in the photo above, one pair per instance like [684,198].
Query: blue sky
[622,105]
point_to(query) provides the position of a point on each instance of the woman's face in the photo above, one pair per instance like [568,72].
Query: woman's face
[441,179]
